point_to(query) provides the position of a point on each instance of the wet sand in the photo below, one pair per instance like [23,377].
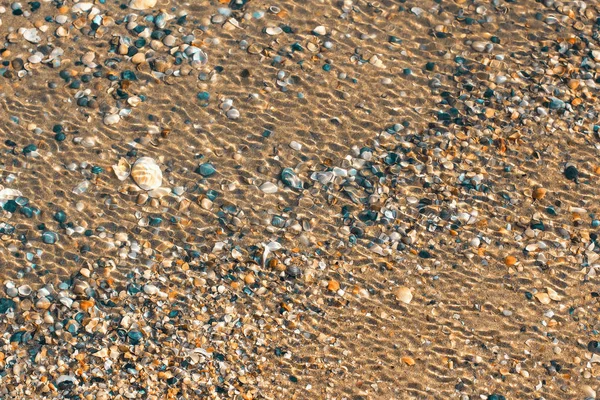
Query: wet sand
[359,200]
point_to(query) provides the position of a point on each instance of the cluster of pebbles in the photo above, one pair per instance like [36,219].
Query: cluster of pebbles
[468,224]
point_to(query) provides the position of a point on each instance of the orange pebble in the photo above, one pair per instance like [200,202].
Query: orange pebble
[510,260]
[333,285]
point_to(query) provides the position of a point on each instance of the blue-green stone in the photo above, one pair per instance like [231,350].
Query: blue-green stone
[49,237]
[206,169]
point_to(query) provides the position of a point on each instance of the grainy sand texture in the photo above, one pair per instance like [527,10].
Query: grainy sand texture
[342,200]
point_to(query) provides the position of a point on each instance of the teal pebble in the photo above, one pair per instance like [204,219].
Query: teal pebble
[206,169]
[60,216]
[203,95]
[49,237]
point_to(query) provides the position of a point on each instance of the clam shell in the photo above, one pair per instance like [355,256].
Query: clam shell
[122,169]
[142,4]
[146,173]
[403,294]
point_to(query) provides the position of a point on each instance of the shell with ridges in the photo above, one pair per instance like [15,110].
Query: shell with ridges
[146,173]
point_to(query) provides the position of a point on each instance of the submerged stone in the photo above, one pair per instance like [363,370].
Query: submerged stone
[290,179]
[206,170]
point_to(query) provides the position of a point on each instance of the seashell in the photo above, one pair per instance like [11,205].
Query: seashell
[31,35]
[122,169]
[293,271]
[553,295]
[142,4]
[543,298]
[112,119]
[539,193]
[25,290]
[273,30]
[9,194]
[61,31]
[403,294]
[82,7]
[320,30]
[290,179]
[268,187]
[146,173]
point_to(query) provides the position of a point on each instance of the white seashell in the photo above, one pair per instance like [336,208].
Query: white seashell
[320,30]
[9,194]
[268,248]
[273,30]
[146,173]
[35,58]
[403,294]
[81,7]
[142,4]
[61,31]
[268,187]
[31,35]
[112,119]
[122,169]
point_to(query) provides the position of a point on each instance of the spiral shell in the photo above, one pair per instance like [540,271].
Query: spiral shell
[146,173]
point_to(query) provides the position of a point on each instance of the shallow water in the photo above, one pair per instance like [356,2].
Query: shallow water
[470,329]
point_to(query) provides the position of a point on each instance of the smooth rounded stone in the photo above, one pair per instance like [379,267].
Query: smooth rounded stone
[233,113]
[571,173]
[146,173]
[138,58]
[82,7]
[35,58]
[49,237]
[142,4]
[295,145]
[227,104]
[269,187]
[206,203]
[169,40]
[320,30]
[43,303]
[61,19]
[111,119]
[482,46]
[403,294]
[150,289]
[88,142]
[134,101]
[218,19]
[206,170]
[273,30]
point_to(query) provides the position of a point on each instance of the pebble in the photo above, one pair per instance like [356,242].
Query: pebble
[233,113]
[112,119]
[268,187]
